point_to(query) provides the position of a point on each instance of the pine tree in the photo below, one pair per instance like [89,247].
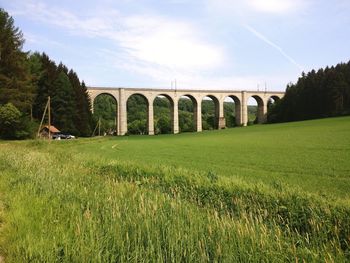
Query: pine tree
[62,103]
[45,84]
[15,79]
[82,117]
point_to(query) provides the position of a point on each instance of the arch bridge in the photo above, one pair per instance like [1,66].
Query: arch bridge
[121,96]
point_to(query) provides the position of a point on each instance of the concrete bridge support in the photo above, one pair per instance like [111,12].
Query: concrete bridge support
[122,114]
[175,118]
[150,119]
[240,98]
[197,113]
[221,120]
[244,109]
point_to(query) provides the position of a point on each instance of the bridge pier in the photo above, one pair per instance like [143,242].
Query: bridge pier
[122,114]
[221,116]
[244,109]
[175,118]
[150,119]
[197,113]
[262,113]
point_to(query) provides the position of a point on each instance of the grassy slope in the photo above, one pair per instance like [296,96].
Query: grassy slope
[106,200]
[313,155]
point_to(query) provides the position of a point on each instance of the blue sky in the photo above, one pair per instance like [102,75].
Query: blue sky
[207,44]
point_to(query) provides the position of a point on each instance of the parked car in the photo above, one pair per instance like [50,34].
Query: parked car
[62,136]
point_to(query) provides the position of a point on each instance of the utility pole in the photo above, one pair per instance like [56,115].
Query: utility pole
[99,126]
[49,103]
[43,117]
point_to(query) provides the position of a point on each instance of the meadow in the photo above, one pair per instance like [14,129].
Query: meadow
[264,193]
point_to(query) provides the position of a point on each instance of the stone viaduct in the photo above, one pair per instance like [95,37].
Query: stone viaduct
[240,98]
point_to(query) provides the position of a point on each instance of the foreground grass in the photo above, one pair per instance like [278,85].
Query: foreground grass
[64,203]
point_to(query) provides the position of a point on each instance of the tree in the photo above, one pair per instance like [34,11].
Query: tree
[82,117]
[62,103]
[13,125]
[15,79]
[44,88]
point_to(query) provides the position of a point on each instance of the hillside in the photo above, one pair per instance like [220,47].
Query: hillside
[261,193]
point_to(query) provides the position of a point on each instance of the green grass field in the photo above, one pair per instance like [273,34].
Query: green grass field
[264,193]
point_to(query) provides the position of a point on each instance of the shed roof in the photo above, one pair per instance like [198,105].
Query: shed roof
[53,129]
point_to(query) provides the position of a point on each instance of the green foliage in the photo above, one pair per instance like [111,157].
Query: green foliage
[15,79]
[316,95]
[70,101]
[13,125]
[186,122]
[63,103]
[83,120]
[26,81]
[137,111]
[137,127]
[230,114]
[9,120]
[105,110]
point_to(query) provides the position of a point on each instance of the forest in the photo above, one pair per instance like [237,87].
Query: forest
[27,79]
[321,94]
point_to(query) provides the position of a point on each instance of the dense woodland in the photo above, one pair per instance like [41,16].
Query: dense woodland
[320,94]
[26,81]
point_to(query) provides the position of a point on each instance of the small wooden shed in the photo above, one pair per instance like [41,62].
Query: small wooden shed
[44,132]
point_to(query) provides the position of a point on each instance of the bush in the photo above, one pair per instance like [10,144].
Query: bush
[13,124]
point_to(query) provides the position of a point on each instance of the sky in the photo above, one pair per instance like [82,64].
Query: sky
[202,44]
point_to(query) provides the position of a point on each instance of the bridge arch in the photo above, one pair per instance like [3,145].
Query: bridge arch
[140,105]
[188,123]
[163,123]
[272,100]
[212,118]
[105,112]
[260,111]
[93,97]
[233,115]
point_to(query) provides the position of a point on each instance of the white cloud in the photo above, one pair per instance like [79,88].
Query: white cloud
[168,43]
[185,79]
[154,39]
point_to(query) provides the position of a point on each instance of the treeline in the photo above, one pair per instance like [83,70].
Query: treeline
[70,101]
[26,81]
[325,93]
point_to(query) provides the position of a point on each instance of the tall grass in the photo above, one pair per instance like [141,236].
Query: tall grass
[65,207]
